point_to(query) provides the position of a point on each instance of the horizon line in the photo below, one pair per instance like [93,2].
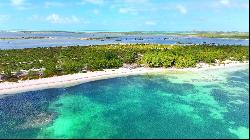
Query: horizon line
[103,31]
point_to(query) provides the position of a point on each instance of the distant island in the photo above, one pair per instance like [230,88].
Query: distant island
[207,34]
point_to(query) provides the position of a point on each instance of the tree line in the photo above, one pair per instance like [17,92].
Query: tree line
[51,61]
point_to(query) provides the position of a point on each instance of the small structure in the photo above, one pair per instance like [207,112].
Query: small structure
[1,77]
[130,66]
[201,65]
[227,62]
[21,73]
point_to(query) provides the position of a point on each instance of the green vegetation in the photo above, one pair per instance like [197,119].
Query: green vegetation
[235,35]
[74,59]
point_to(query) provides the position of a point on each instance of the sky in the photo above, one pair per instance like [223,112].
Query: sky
[125,15]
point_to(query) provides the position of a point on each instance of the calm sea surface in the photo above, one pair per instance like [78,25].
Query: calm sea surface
[206,104]
[16,40]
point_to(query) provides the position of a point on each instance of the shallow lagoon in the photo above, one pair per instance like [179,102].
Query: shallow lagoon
[52,39]
[206,104]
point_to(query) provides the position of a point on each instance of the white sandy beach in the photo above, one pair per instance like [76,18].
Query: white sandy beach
[7,88]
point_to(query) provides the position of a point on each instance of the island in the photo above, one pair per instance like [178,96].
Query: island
[64,66]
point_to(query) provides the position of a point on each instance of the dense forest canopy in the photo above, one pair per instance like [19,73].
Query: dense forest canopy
[73,59]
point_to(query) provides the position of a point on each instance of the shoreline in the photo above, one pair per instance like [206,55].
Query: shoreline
[10,88]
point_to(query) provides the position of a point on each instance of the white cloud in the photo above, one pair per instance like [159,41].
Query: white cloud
[96,2]
[57,19]
[54,18]
[20,4]
[129,10]
[151,23]
[123,10]
[231,4]
[133,7]
[17,2]
[136,1]
[225,2]
[49,4]
[182,9]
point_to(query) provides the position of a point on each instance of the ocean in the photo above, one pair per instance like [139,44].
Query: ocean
[203,104]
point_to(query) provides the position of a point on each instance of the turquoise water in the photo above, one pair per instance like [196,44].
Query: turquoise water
[207,104]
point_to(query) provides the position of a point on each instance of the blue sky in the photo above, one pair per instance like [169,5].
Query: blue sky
[125,15]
